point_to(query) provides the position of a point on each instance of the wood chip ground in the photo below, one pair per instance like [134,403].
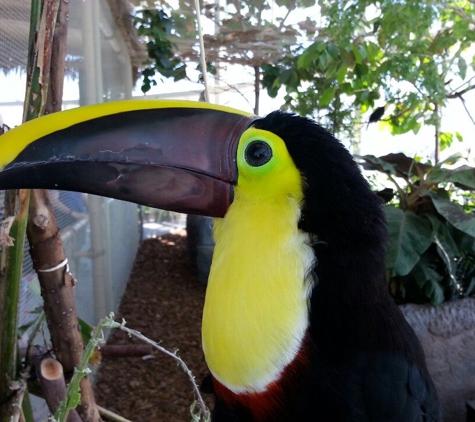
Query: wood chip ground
[163,301]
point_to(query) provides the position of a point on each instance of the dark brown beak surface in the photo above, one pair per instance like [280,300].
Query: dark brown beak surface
[178,158]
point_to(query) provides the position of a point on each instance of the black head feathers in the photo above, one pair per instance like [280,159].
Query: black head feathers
[338,201]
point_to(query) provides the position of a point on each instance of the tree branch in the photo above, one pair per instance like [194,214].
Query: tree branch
[458,94]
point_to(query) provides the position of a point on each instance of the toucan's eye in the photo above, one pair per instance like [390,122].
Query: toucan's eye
[258,153]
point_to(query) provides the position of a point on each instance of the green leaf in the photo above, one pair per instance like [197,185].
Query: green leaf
[73,400]
[459,136]
[86,330]
[428,279]
[320,46]
[340,76]
[465,242]
[441,235]
[332,70]
[305,59]
[285,75]
[445,140]
[446,246]
[434,291]
[454,158]
[24,328]
[357,54]
[462,64]
[463,176]
[371,162]
[410,237]
[453,213]
[327,96]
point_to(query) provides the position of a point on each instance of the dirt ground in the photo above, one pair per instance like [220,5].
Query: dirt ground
[163,301]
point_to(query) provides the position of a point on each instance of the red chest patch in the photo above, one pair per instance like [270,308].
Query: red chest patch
[273,402]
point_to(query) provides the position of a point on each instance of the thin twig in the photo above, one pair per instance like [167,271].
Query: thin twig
[174,355]
[204,69]
[282,23]
[233,88]
[464,83]
[111,415]
[20,388]
[466,109]
[36,328]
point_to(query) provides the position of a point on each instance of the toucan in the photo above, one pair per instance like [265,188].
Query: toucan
[298,324]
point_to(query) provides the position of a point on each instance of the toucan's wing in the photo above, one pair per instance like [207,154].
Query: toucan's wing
[392,389]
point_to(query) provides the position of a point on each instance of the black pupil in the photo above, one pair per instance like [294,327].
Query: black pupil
[258,153]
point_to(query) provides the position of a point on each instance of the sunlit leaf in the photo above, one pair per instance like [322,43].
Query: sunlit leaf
[445,140]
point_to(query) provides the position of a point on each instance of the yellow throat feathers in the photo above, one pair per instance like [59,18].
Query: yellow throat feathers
[256,309]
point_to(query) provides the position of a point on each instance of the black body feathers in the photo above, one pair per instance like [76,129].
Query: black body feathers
[366,363]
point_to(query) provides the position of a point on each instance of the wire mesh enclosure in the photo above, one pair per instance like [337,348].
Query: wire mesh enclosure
[100,235]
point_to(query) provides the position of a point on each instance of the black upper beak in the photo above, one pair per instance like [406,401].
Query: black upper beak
[172,155]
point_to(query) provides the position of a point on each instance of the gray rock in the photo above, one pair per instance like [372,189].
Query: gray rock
[447,334]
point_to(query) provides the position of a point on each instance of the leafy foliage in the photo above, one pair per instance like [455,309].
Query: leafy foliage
[412,56]
[431,257]
[403,59]
[251,33]
[157,26]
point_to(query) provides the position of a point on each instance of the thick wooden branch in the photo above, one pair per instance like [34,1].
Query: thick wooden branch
[57,285]
[47,250]
[53,386]
[54,99]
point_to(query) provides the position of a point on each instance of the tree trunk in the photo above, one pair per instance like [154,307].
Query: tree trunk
[11,261]
[47,250]
[257,89]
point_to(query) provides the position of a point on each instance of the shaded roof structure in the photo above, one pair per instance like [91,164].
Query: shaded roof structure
[14,32]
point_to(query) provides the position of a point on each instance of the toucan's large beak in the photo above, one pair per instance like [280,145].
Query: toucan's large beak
[175,155]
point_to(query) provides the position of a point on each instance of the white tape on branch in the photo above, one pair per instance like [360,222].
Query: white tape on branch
[61,265]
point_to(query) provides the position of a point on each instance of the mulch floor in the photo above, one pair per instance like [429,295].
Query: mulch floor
[163,301]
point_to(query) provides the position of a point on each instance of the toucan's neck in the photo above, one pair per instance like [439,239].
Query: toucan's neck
[352,273]
[350,240]
[352,293]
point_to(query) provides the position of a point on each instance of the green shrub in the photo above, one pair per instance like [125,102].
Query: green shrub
[431,222]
